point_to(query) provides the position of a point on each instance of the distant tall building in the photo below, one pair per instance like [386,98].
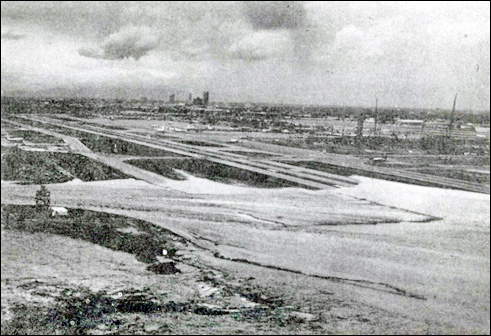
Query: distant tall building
[190,98]
[206,98]
[172,98]
[197,101]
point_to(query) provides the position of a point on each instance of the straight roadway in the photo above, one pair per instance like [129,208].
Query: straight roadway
[303,176]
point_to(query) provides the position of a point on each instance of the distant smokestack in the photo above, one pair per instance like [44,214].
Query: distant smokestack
[452,116]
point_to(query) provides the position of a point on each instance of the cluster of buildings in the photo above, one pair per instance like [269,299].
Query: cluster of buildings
[198,101]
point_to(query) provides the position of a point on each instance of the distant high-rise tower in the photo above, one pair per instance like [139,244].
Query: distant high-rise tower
[206,98]
[197,101]
[190,98]
[172,98]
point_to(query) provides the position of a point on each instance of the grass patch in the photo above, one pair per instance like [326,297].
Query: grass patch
[457,174]
[211,170]
[49,167]
[95,227]
[259,155]
[325,167]
[36,137]
[160,167]
[199,143]
[102,144]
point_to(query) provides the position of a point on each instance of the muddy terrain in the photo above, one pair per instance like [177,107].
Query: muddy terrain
[99,273]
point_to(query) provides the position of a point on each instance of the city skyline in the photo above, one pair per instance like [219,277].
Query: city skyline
[408,55]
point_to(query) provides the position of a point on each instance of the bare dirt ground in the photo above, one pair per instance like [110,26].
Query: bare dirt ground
[431,275]
[56,284]
[53,284]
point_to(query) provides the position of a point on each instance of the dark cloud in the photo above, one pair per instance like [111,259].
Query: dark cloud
[206,43]
[290,16]
[75,18]
[12,36]
[129,42]
[275,14]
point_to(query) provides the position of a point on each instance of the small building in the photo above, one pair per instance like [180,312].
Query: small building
[411,122]
[59,211]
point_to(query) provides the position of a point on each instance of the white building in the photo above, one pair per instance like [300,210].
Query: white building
[59,211]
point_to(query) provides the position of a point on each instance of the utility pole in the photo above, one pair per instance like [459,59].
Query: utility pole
[359,129]
[375,118]
[452,116]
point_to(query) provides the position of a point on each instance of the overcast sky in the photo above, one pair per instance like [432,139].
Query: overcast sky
[408,54]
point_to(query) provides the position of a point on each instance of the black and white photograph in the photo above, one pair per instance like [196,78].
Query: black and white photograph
[245,167]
